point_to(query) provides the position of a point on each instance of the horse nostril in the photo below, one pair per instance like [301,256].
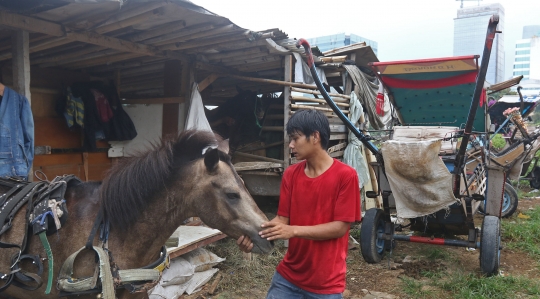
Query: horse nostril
[272,242]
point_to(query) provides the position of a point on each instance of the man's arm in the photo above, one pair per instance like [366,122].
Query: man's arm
[277,230]
[244,242]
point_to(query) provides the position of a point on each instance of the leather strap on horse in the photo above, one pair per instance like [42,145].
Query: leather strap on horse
[124,278]
[67,283]
[48,251]
[10,207]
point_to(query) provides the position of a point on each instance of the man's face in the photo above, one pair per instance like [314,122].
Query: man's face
[300,145]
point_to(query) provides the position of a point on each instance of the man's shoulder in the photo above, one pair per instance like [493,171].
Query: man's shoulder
[344,168]
[294,168]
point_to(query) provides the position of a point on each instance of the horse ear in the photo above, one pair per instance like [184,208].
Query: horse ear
[223,145]
[211,159]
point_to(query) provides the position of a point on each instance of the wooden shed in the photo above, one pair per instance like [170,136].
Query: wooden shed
[152,52]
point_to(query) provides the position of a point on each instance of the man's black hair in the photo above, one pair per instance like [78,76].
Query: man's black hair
[309,121]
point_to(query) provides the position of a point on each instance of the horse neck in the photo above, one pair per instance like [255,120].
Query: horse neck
[140,244]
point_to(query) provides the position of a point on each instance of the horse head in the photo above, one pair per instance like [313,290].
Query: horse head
[223,201]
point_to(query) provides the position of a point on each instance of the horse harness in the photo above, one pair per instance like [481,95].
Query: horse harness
[46,212]
[134,280]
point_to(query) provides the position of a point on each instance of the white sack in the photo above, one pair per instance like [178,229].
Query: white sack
[196,119]
[180,271]
[202,259]
[199,279]
[420,182]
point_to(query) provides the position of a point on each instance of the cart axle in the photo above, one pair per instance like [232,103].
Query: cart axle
[436,241]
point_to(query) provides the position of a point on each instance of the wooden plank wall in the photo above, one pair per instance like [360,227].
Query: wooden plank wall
[47,87]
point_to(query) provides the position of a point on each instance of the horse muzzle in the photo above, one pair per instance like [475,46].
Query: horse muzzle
[261,245]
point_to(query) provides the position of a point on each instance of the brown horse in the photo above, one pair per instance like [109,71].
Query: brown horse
[146,198]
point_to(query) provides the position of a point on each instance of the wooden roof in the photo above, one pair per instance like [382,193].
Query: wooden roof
[135,39]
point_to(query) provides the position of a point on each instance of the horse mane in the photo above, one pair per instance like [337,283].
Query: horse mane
[130,185]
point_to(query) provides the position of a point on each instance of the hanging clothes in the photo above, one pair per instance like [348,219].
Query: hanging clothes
[16,135]
[74,111]
[103,108]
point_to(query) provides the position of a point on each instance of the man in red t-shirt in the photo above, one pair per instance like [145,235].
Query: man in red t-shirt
[319,199]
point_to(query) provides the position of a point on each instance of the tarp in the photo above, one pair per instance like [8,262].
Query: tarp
[420,182]
[353,152]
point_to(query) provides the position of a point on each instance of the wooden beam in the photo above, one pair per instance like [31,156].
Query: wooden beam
[165,100]
[136,19]
[136,11]
[171,36]
[103,60]
[50,28]
[316,92]
[271,81]
[321,101]
[21,63]
[212,32]
[231,54]
[185,87]
[202,44]
[257,157]
[158,31]
[228,46]
[251,61]
[286,108]
[171,88]
[207,81]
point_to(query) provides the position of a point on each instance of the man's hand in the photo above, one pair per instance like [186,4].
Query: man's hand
[245,244]
[276,229]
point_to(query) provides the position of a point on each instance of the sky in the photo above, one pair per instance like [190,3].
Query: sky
[403,29]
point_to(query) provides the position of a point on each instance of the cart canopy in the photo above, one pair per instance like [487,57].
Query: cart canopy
[433,91]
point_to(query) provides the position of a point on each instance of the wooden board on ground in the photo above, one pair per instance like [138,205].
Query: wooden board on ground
[192,237]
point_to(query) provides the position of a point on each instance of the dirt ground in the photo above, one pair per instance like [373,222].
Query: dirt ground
[387,276]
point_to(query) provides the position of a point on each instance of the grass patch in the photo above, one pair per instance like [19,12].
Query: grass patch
[471,286]
[240,274]
[458,285]
[435,253]
[415,288]
[523,234]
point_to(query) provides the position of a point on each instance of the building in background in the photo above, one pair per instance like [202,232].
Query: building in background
[329,42]
[470,29]
[527,60]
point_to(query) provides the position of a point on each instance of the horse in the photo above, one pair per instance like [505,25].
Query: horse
[145,198]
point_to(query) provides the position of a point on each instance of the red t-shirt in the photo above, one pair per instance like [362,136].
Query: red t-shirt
[318,266]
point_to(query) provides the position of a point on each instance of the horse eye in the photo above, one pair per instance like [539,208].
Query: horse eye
[233,195]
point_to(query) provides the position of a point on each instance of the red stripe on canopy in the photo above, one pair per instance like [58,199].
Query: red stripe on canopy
[427,84]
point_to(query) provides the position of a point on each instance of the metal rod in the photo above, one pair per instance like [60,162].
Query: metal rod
[363,138]
[459,162]
[435,241]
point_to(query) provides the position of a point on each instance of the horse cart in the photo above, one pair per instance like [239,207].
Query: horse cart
[422,171]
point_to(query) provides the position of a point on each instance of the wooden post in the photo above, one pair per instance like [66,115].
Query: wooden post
[21,70]
[286,108]
[21,63]
[185,87]
[172,88]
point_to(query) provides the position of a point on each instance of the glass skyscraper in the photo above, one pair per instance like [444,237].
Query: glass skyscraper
[329,42]
[470,29]
[527,60]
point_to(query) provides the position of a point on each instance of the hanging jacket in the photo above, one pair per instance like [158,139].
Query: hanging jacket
[16,135]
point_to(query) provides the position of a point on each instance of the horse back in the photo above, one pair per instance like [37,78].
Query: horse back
[82,202]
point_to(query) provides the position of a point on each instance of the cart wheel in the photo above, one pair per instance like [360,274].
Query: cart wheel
[372,247]
[535,183]
[510,201]
[490,252]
